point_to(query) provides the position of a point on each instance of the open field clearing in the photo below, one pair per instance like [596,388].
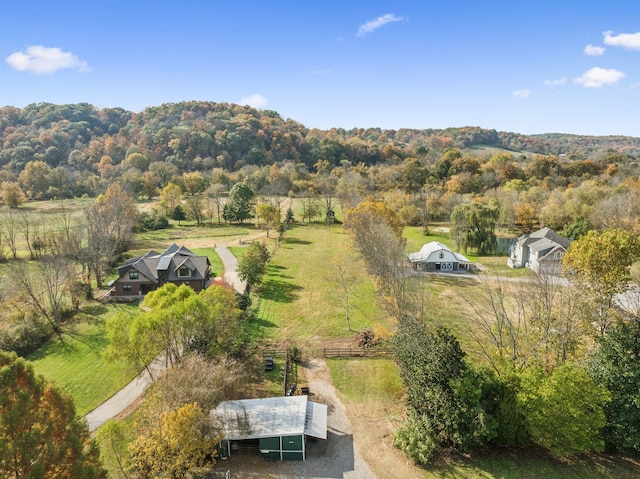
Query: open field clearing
[300,300]
[77,364]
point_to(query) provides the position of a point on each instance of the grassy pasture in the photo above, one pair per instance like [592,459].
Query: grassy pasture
[300,303]
[77,364]
[299,299]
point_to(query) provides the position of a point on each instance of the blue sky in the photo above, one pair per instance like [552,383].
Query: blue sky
[523,66]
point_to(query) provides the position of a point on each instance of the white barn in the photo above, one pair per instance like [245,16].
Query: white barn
[435,256]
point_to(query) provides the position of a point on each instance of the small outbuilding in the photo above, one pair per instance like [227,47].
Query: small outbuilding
[435,256]
[278,426]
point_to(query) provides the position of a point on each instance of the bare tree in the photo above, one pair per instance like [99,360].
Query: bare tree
[345,279]
[500,324]
[110,222]
[10,230]
[45,284]
[25,228]
[519,322]
[198,379]
[215,194]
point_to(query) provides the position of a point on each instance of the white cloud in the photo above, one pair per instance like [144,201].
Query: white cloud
[40,60]
[522,94]
[558,82]
[598,77]
[594,51]
[630,41]
[373,25]
[255,101]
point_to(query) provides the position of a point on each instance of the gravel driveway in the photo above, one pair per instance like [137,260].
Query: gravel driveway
[336,458]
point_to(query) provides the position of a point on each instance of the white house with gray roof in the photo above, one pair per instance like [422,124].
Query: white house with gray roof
[541,251]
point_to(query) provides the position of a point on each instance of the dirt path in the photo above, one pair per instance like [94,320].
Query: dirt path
[336,458]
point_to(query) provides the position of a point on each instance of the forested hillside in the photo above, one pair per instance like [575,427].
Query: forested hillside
[203,135]
[65,151]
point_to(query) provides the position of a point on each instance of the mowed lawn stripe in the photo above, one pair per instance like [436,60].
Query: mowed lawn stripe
[77,363]
[300,295]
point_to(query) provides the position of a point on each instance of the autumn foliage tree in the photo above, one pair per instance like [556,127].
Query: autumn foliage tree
[599,262]
[12,194]
[269,214]
[173,443]
[40,435]
[377,236]
[364,222]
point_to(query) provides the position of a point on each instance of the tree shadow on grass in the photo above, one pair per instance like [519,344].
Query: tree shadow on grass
[295,241]
[262,323]
[513,463]
[279,291]
[274,270]
[94,310]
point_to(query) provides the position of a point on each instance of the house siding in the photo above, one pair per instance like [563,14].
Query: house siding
[147,265]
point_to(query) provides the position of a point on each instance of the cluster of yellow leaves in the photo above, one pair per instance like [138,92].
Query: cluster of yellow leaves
[176,443]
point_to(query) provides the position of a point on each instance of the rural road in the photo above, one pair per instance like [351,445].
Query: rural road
[121,400]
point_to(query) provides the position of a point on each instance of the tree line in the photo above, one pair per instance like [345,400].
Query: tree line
[554,365]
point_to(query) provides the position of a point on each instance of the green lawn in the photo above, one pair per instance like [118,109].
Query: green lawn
[77,365]
[300,303]
[299,298]
[217,268]
[490,264]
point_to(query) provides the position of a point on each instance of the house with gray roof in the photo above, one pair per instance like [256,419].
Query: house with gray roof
[435,256]
[177,264]
[277,427]
[541,251]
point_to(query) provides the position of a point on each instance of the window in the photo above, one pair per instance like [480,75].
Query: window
[133,275]
[558,255]
[441,254]
[162,275]
[127,289]
[184,272]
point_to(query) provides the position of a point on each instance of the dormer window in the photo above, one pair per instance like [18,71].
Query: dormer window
[133,275]
[184,272]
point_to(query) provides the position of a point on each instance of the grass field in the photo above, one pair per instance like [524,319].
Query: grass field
[77,364]
[300,303]
[299,299]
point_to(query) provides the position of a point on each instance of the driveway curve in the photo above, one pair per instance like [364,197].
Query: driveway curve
[126,396]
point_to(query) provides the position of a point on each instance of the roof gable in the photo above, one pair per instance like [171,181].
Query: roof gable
[269,417]
[173,258]
[543,234]
[434,247]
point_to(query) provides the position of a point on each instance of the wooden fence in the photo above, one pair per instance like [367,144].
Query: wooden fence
[332,353]
[358,353]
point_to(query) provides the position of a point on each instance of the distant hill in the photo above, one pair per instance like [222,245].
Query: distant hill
[203,135]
